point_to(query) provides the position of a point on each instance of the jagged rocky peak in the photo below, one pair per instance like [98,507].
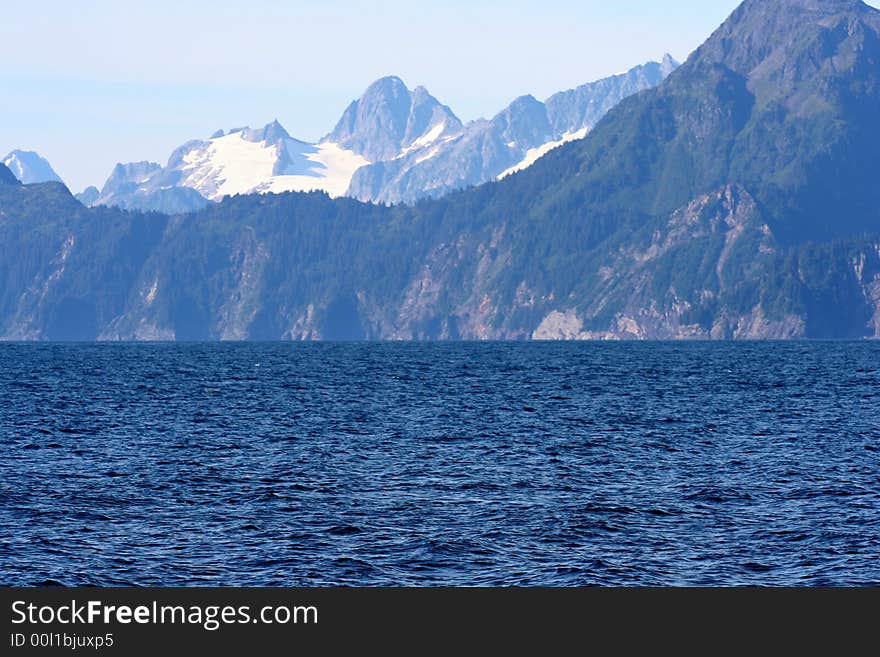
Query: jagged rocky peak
[29,167]
[388,118]
[134,169]
[89,196]
[143,186]
[270,133]
[513,140]
[668,64]
[127,174]
[427,114]
[524,122]
[582,107]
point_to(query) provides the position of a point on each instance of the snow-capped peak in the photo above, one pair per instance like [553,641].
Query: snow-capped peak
[30,168]
[245,161]
[389,118]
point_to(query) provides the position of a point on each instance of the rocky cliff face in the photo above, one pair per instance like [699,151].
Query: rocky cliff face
[303,267]
[726,228]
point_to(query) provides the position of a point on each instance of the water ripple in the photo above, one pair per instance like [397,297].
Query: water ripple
[444,464]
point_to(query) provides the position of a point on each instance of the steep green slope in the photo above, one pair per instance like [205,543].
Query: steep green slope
[66,271]
[782,99]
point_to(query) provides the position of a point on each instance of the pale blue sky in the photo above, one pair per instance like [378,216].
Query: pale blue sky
[91,83]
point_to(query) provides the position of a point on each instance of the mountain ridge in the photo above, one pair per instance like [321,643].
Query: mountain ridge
[389,128]
[514,138]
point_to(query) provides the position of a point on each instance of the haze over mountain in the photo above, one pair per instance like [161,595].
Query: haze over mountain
[734,200]
[391,145]
[30,168]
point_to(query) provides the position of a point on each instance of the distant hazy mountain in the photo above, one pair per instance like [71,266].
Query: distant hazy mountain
[391,145]
[127,177]
[242,161]
[88,196]
[584,106]
[389,121]
[29,167]
[141,186]
[513,140]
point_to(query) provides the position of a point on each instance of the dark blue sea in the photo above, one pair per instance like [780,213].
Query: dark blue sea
[440,464]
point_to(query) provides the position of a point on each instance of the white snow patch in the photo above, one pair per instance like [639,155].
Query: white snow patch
[427,156]
[232,165]
[228,165]
[535,154]
[151,293]
[432,135]
[330,168]
[15,166]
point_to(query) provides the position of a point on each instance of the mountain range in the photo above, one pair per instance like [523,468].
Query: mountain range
[391,145]
[513,140]
[734,200]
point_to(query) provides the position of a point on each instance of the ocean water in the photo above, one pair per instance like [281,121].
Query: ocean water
[440,464]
